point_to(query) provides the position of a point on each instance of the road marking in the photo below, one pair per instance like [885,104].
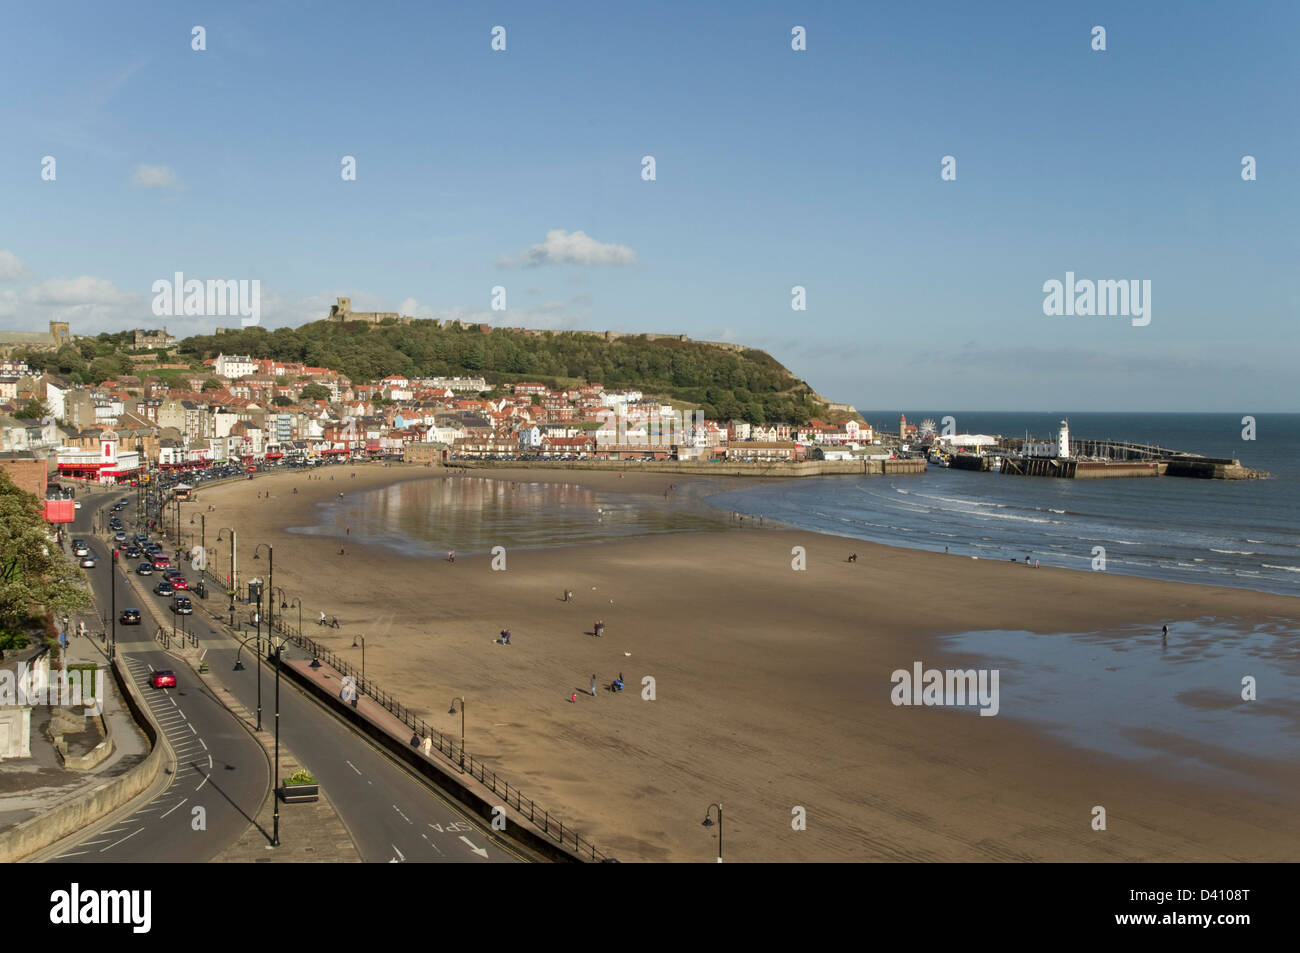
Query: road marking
[352,766]
[204,743]
[400,814]
[209,762]
[91,843]
[431,843]
[478,850]
[400,856]
[126,838]
[193,730]
[206,778]
[183,800]
[75,853]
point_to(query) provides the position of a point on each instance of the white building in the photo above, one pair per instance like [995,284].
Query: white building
[232,367]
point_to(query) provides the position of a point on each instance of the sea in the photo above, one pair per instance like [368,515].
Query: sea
[1240,533]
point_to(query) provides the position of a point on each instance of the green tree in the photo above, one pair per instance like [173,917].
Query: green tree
[212,384]
[282,401]
[36,577]
[315,392]
[35,410]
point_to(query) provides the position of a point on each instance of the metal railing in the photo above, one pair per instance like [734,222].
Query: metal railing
[448,747]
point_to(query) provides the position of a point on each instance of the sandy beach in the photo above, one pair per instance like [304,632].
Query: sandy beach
[772,686]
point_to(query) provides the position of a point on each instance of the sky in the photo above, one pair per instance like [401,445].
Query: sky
[775,168]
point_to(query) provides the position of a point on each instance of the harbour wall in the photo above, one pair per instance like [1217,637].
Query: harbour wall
[782,470]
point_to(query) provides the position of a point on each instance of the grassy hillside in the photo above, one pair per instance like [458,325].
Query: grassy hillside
[750,384]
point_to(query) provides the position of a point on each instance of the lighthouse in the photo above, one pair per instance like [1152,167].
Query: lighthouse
[1063,441]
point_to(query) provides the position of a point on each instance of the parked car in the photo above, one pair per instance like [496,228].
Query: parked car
[129,617]
[144,569]
[163,678]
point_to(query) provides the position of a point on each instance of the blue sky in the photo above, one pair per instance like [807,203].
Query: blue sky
[775,168]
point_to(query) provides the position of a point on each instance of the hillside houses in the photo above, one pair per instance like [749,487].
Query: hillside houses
[250,409]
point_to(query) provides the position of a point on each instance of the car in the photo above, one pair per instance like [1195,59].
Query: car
[144,569]
[160,561]
[181,605]
[180,582]
[81,550]
[87,562]
[129,617]
[76,504]
[133,552]
[162,678]
[142,537]
[164,588]
[119,537]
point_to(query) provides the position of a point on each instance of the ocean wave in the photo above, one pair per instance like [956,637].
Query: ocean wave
[1050,510]
[1233,552]
[1286,568]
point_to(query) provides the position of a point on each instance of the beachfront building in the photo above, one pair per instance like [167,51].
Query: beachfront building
[477,447]
[105,463]
[763,451]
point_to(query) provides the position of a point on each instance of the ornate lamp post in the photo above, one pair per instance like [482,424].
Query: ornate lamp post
[452,711]
[708,822]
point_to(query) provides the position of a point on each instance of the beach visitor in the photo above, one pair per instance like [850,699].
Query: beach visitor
[1035,563]
[593,686]
[945,550]
[451,556]
[853,557]
[348,530]
[322,618]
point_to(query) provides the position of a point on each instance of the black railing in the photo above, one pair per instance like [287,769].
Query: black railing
[446,746]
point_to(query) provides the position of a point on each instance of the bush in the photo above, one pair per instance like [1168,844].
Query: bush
[301,776]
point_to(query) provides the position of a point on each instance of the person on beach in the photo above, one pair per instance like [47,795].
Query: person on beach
[1164,635]
[593,686]
[568,595]
[945,550]
[451,556]
[322,619]
[342,551]
[853,557]
[348,530]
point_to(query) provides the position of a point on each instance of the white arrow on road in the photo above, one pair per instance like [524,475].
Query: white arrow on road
[399,854]
[478,850]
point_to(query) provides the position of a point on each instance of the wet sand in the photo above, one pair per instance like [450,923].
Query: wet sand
[772,686]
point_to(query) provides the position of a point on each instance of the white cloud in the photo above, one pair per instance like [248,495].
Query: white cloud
[572,248]
[412,308]
[154,177]
[11,269]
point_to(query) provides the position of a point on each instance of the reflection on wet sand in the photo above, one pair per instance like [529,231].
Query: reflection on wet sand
[473,514]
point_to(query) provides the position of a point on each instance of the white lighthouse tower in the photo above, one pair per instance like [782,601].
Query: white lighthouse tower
[1063,441]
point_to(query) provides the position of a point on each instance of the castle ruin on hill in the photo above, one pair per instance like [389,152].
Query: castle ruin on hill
[342,311]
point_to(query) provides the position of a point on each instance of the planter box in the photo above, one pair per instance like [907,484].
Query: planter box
[299,793]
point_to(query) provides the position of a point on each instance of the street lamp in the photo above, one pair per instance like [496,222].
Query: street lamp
[270,582]
[363,660]
[239,667]
[708,822]
[232,582]
[275,830]
[452,711]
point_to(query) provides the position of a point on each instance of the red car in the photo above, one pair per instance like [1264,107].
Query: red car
[161,562]
[163,678]
[179,582]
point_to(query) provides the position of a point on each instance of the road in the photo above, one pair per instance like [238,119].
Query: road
[220,776]
[391,814]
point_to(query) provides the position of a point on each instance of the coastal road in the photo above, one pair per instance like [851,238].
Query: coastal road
[215,764]
[216,783]
[391,814]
